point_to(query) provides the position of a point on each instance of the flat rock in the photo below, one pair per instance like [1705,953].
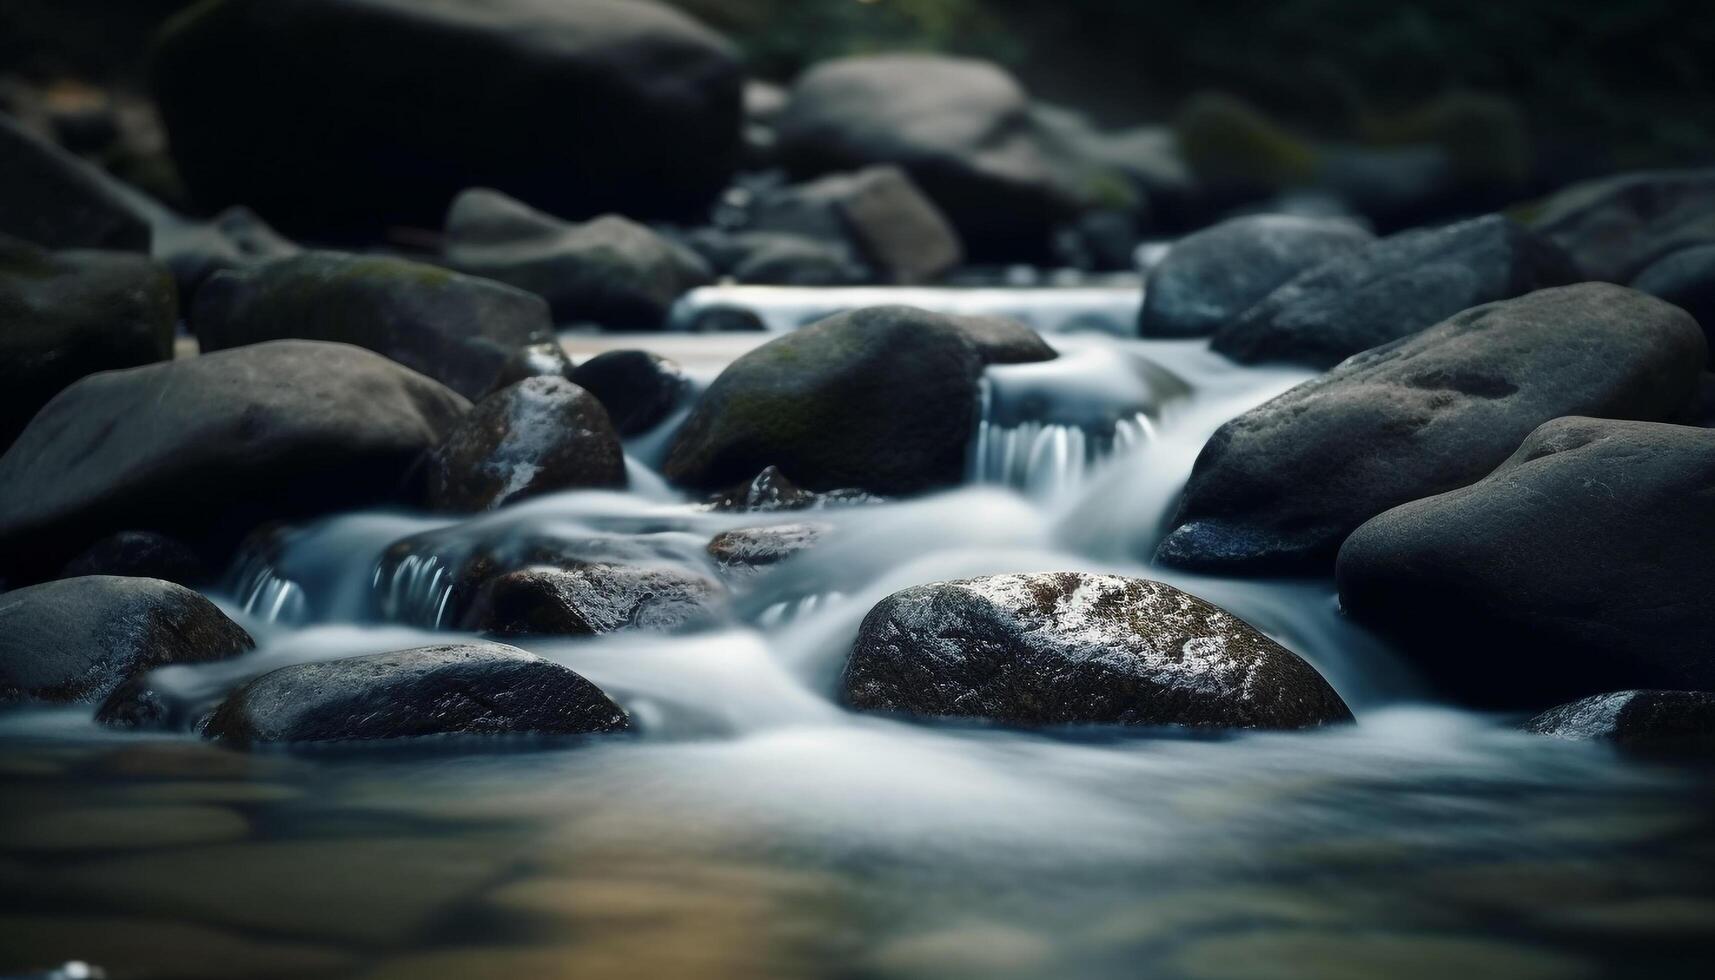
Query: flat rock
[55,200]
[1615,227]
[593,598]
[1633,717]
[638,389]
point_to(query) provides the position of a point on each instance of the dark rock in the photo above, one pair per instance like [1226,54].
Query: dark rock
[343,116]
[725,318]
[538,436]
[195,250]
[882,399]
[140,705]
[1616,227]
[206,448]
[638,389]
[459,330]
[1391,289]
[141,554]
[1687,280]
[1212,276]
[889,223]
[65,315]
[772,259]
[1654,718]
[1279,487]
[51,198]
[455,689]
[587,599]
[1072,648]
[1700,410]
[747,550]
[545,359]
[79,638]
[770,490]
[1580,565]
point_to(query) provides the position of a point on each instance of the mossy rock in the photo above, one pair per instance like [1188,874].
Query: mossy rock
[1228,141]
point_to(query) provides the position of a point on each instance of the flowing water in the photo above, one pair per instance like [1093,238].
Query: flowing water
[753,828]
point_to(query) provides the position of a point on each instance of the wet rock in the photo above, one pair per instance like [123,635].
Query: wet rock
[1391,289]
[770,490]
[1212,276]
[1070,648]
[726,318]
[1279,487]
[79,638]
[143,554]
[772,259]
[1686,279]
[236,238]
[459,330]
[208,447]
[457,688]
[64,315]
[881,399]
[588,599]
[638,389]
[343,116]
[1578,566]
[1662,718]
[887,221]
[538,436]
[1615,227]
[611,271]
[545,359]
[746,550]
[57,201]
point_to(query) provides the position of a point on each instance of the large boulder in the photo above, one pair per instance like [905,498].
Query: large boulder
[341,116]
[1213,275]
[1687,280]
[77,639]
[455,689]
[1279,487]
[538,436]
[638,389]
[882,399]
[1579,566]
[1391,289]
[1658,719]
[1614,227]
[51,198]
[207,447]
[1071,648]
[611,271]
[459,330]
[64,315]
[591,598]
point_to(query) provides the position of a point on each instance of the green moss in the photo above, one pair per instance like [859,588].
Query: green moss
[1227,140]
[1484,135]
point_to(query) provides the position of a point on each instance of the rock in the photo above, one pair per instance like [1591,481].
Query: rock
[587,599]
[726,318]
[454,689]
[1279,487]
[343,116]
[1237,151]
[65,315]
[141,554]
[770,490]
[1686,279]
[236,238]
[544,359]
[611,271]
[51,198]
[771,259]
[1615,227]
[1393,288]
[1212,276]
[1660,718]
[638,389]
[208,447]
[882,399]
[79,638]
[961,128]
[459,330]
[887,221]
[1577,567]
[539,436]
[1076,648]
[747,550]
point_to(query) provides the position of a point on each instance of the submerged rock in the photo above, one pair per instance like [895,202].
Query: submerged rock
[587,599]
[454,689]
[1070,648]
[1687,280]
[1279,487]
[77,639]
[746,550]
[1393,288]
[1580,565]
[538,436]
[1658,718]
[770,490]
[459,330]
[638,389]
[143,554]
[55,200]
[1615,227]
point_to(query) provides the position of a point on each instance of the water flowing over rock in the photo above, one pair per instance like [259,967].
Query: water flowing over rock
[588,599]
[342,116]
[459,330]
[1279,487]
[77,639]
[1657,718]
[1579,566]
[1614,227]
[1687,280]
[748,550]
[771,490]
[456,689]
[55,200]
[1072,648]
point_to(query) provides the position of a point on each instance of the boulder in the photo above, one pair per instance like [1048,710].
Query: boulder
[141,554]
[1393,288]
[887,221]
[538,436]
[1279,487]
[344,116]
[1076,648]
[65,315]
[455,689]
[236,238]
[748,550]
[459,330]
[1654,718]
[593,598]
[638,389]
[51,198]
[1615,227]
[77,639]
[1686,279]
[207,447]
[1579,566]
[770,490]
[882,399]
[1213,275]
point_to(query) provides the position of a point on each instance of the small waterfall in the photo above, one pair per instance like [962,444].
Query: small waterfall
[415,589]
[1046,458]
[264,593]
